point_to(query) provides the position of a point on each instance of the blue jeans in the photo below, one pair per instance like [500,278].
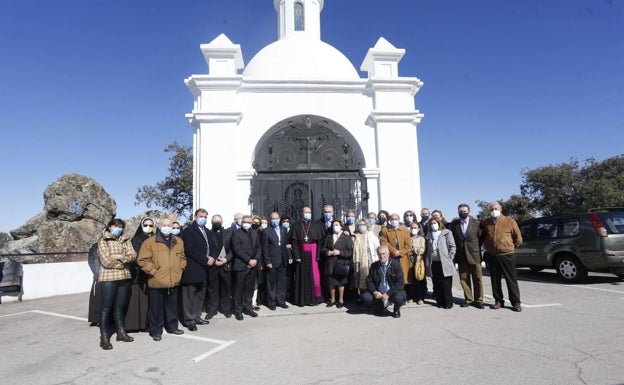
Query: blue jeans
[115,296]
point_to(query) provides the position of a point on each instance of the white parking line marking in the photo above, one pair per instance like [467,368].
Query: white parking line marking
[59,315]
[213,351]
[596,288]
[541,305]
[221,344]
[9,315]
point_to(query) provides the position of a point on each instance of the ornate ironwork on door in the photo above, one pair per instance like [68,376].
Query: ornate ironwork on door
[308,160]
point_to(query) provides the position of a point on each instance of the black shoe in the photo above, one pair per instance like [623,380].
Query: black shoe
[479,305]
[200,321]
[157,337]
[209,317]
[448,307]
[271,307]
[282,305]
[192,328]
[256,308]
[339,305]
[330,304]
[465,304]
[177,332]
[227,315]
[250,313]
[396,313]
[239,317]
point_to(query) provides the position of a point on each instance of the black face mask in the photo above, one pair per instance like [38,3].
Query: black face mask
[216,226]
[382,220]
[255,226]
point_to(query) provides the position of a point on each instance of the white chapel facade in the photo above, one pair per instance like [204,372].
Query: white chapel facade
[298,125]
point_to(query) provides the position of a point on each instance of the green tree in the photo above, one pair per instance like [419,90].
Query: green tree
[601,184]
[569,187]
[175,193]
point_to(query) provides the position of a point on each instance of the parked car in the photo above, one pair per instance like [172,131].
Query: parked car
[574,244]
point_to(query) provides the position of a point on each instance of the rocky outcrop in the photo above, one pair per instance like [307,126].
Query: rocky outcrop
[76,209]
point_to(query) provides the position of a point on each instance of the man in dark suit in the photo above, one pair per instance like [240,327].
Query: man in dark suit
[238,221]
[385,283]
[218,293]
[200,253]
[276,258]
[466,232]
[246,254]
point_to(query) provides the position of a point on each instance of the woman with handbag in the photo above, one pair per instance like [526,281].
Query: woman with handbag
[440,253]
[417,260]
[337,249]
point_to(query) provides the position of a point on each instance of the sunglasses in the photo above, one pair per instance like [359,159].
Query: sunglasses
[148,225]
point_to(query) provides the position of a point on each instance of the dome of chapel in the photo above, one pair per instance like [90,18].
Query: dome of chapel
[300,57]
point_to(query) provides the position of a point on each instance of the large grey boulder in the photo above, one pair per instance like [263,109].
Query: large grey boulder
[75,197]
[76,209]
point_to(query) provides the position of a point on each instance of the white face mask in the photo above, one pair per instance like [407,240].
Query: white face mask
[414,231]
[362,228]
[166,230]
[148,229]
[394,223]
[337,229]
[435,227]
[175,231]
[307,216]
[246,226]
[264,225]
[495,213]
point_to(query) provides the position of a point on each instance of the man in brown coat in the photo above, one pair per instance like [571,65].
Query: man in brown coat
[500,235]
[162,259]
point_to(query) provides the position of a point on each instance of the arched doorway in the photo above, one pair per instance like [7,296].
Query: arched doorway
[308,160]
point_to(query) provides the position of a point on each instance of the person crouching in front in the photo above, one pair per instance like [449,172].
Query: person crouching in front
[385,283]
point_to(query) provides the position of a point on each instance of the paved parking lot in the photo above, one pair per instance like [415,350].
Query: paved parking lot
[567,334]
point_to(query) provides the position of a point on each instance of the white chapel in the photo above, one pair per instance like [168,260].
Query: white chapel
[298,125]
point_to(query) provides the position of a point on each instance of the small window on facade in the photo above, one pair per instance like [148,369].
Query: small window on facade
[299,24]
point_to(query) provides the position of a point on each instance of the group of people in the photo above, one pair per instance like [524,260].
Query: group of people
[384,259]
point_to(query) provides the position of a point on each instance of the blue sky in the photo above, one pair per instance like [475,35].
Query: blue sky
[96,87]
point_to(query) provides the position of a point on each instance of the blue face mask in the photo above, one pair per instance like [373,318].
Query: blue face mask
[201,221]
[274,222]
[424,218]
[463,215]
[116,231]
[350,220]
[327,216]
[372,221]
[286,225]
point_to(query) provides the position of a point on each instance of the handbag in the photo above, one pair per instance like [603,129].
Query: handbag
[341,269]
[419,269]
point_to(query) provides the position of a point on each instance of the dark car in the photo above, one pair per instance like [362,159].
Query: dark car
[574,244]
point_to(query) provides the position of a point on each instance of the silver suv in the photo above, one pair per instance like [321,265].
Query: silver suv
[574,244]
